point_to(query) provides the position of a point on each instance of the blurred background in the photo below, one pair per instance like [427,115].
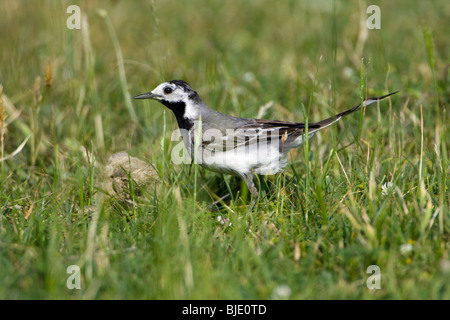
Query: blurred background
[67,106]
[237,55]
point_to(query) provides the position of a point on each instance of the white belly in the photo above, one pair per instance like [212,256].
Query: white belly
[263,160]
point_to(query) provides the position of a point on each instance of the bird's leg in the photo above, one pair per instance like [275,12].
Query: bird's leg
[251,186]
[254,191]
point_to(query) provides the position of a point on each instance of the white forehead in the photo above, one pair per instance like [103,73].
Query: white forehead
[160,87]
[177,93]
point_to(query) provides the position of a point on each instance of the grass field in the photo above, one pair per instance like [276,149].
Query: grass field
[372,189]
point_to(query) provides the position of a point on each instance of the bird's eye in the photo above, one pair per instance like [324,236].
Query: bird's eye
[168,90]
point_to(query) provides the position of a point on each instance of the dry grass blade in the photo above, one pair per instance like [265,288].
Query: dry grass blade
[48,75]
[2,121]
[17,151]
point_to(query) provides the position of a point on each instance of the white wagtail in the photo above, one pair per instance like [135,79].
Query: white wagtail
[231,145]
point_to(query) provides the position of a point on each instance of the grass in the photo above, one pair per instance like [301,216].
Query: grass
[317,226]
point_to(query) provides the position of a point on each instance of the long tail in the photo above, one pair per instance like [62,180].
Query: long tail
[327,122]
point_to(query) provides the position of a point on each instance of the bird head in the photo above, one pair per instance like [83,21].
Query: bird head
[171,93]
[179,97]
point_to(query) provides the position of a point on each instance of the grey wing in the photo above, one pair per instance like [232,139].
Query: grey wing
[255,132]
[250,132]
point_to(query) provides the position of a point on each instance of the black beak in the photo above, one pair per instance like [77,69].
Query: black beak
[148,95]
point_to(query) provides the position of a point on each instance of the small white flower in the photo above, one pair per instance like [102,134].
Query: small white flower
[348,72]
[281,292]
[387,189]
[406,248]
[248,77]
[445,265]
[224,221]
